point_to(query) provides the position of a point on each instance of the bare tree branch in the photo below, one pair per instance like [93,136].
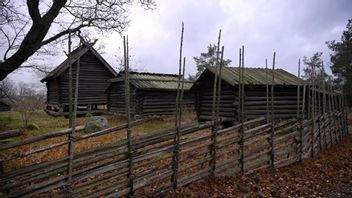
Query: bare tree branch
[72,15]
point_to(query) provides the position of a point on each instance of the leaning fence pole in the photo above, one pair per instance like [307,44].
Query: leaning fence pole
[319,115]
[330,114]
[267,90]
[324,110]
[217,111]
[313,109]
[340,116]
[128,117]
[240,111]
[239,87]
[181,96]
[70,135]
[345,115]
[272,154]
[333,102]
[178,119]
[215,122]
[300,128]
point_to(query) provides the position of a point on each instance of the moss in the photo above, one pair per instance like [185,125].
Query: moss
[32,126]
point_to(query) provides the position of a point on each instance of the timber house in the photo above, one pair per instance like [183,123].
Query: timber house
[255,86]
[94,73]
[150,94]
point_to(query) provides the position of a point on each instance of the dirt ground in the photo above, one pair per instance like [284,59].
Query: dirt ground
[328,174]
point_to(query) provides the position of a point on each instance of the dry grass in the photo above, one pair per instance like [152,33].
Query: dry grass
[11,120]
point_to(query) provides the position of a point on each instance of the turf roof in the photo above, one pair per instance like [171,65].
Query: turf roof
[257,76]
[153,81]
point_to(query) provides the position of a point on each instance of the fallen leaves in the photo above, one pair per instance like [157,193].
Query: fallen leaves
[329,173]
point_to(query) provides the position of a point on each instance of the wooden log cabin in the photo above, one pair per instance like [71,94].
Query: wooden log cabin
[255,100]
[150,94]
[5,104]
[94,73]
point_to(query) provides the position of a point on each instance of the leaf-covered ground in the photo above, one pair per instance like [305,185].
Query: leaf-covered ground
[328,174]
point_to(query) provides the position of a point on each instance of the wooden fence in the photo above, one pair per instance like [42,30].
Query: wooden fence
[103,170]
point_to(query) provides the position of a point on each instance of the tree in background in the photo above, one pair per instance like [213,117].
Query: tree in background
[7,89]
[207,59]
[26,28]
[314,68]
[28,101]
[341,60]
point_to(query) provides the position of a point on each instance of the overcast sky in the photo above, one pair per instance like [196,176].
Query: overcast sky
[291,28]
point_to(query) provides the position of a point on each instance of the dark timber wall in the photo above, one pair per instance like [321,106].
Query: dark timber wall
[146,102]
[93,81]
[285,100]
[4,107]
[93,78]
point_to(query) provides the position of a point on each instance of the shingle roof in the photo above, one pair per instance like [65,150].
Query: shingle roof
[153,81]
[257,76]
[75,54]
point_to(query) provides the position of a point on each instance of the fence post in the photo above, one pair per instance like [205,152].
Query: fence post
[70,135]
[175,159]
[313,110]
[319,116]
[215,122]
[240,113]
[128,116]
[272,154]
[341,116]
[345,116]
[299,120]
[324,114]
[330,116]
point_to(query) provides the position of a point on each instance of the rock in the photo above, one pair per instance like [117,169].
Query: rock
[96,123]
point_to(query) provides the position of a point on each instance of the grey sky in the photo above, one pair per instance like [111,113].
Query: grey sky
[291,28]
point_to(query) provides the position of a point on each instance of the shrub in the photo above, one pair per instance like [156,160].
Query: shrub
[32,126]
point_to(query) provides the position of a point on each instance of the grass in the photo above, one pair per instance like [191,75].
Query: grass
[47,124]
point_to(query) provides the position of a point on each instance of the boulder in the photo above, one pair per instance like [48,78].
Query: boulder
[96,123]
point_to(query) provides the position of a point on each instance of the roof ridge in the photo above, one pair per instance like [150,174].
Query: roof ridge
[151,73]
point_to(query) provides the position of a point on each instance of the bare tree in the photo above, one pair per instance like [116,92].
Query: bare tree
[28,101]
[46,22]
[7,89]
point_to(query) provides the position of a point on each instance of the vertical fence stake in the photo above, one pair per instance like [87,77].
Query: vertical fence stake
[267,90]
[319,116]
[178,118]
[70,143]
[303,116]
[299,120]
[241,129]
[324,112]
[336,118]
[340,117]
[330,115]
[345,115]
[272,154]
[217,112]
[313,109]
[128,116]
[215,122]
[242,111]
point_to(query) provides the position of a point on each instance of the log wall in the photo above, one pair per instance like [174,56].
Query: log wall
[93,81]
[255,105]
[146,102]
[4,107]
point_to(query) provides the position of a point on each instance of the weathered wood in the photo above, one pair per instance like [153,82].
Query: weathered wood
[38,138]
[10,134]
